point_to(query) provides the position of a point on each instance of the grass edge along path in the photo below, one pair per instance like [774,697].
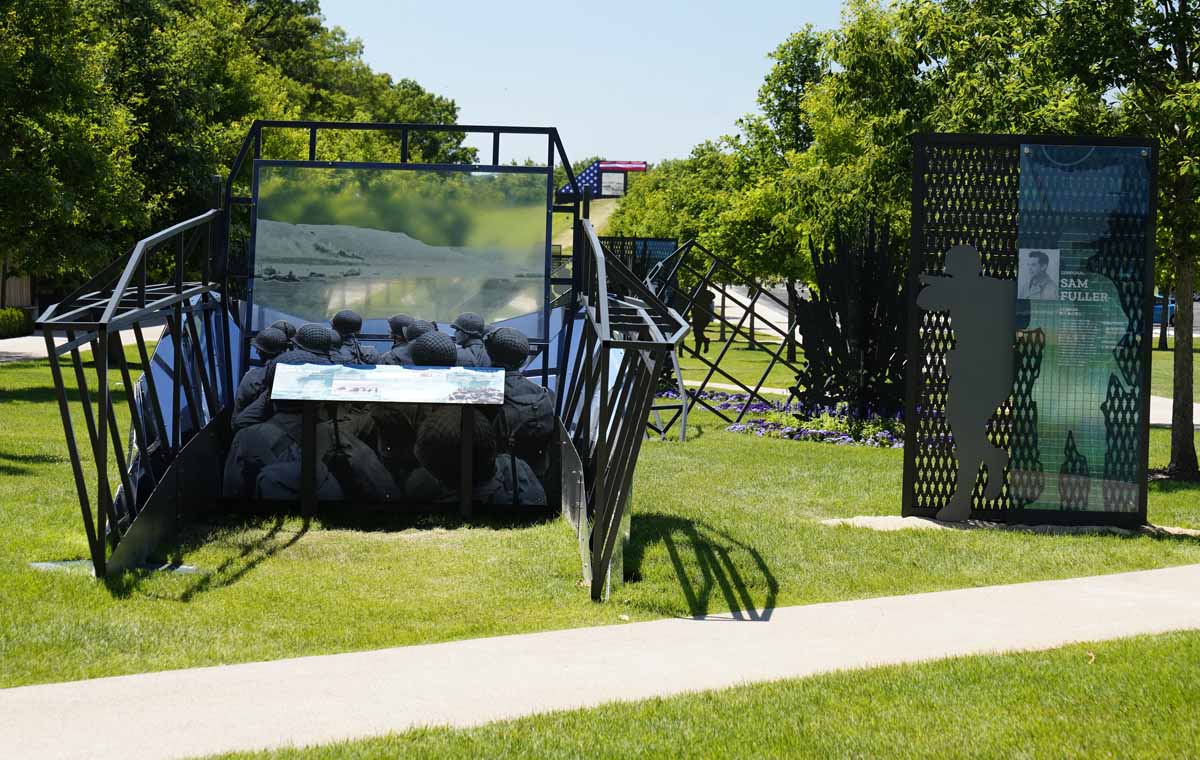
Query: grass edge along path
[722,522]
[1132,697]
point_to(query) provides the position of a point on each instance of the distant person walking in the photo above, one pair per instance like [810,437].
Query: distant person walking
[702,316]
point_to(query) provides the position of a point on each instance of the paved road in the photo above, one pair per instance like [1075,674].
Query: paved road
[323,699]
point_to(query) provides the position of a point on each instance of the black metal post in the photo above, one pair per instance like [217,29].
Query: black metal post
[151,387]
[135,419]
[308,459]
[103,489]
[95,548]
[465,482]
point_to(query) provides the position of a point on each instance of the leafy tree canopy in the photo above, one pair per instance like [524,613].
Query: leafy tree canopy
[116,114]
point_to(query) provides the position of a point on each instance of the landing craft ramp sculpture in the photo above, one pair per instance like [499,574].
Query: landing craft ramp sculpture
[301,236]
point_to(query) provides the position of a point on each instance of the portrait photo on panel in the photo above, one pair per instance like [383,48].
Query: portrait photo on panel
[1037,274]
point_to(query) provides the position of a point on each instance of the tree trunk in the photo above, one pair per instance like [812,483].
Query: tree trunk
[4,282]
[1183,438]
[791,320]
[753,309]
[722,314]
[1162,328]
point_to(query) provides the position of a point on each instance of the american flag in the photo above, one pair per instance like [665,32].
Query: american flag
[622,166]
[590,177]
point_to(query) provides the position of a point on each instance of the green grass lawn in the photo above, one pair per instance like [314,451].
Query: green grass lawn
[1127,698]
[721,522]
[1162,371]
[747,364]
[743,362]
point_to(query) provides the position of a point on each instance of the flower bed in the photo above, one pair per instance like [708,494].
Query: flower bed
[730,402]
[792,428]
[788,420]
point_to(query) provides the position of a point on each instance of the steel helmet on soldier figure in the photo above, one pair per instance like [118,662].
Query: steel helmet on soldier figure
[397,323]
[507,347]
[314,338]
[418,328]
[470,323]
[270,342]
[433,349]
[287,327]
[335,340]
[346,322]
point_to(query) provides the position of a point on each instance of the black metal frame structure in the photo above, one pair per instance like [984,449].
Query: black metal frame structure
[625,343]
[251,154]
[712,271]
[169,448]
[604,370]
[634,252]
[965,191]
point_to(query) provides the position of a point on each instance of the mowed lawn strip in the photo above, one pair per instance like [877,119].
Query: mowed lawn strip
[722,521]
[1162,371]
[1126,698]
[743,362]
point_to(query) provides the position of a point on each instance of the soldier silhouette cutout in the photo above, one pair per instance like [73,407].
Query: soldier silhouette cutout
[979,367]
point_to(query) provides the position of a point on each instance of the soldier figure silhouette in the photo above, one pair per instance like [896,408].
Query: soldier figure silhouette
[980,367]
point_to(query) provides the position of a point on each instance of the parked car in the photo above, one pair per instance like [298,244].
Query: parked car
[1158,310]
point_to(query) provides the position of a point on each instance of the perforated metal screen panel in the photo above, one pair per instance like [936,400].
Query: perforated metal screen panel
[1071,223]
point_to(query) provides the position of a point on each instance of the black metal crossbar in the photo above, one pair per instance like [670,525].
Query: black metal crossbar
[708,270]
[119,299]
[624,345]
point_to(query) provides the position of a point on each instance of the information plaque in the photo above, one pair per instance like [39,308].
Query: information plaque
[1064,227]
[1082,288]
[384,383]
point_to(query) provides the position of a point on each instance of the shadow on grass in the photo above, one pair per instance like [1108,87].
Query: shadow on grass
[442,516]
[712,552]
[260,534]
[47,395]
[17,464]
[694,432]
[250,555]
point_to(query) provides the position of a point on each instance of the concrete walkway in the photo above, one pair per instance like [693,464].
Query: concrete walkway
[323,699]
[1160,412]
[27,348]
[33,347]
[731,388]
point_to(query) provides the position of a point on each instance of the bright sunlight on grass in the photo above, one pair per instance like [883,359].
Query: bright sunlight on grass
[722,521]
[1127,698]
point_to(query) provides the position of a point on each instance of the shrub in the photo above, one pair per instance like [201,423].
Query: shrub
[853,324]
[14,322]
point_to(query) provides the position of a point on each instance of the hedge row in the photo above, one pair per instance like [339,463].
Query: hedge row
[14,322]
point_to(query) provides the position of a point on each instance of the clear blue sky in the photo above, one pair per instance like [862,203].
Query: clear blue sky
[624,80]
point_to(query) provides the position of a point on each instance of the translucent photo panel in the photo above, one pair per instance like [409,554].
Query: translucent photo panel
[383,241]
[1079,393]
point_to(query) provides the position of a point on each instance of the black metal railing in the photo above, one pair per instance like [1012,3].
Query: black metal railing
[153,475]
[705,270]
[120,299]
[623,346]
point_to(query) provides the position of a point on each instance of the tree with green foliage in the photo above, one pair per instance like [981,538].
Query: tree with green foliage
[800,65]
[1148,55]
[678,198]
[67,142]
[117,114]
